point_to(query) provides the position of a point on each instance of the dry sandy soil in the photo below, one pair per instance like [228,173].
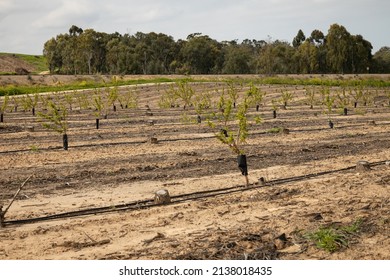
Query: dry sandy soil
[116,165]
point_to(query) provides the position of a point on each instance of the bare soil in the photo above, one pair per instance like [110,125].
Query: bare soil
[116,165]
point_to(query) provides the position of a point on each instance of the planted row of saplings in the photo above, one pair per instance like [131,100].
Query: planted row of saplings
[184,92]
[225,113]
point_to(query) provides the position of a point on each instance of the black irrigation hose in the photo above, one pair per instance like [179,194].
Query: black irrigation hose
[149,203]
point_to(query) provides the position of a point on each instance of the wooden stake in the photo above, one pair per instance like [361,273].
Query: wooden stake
[2,213]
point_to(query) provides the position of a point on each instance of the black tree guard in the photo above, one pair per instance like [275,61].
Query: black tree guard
[65,141]
[242,165]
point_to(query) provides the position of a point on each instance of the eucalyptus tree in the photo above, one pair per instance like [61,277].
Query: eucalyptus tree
[298,39]
[337,46]
[202,54]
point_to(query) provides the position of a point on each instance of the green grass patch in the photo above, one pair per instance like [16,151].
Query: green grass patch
[17,90]
[275,130]
[325,80]
[332,239]
[37,61]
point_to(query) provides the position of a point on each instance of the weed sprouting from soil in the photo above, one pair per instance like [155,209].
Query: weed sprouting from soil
[332,239]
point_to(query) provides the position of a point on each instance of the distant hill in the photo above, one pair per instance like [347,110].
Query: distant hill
[32,63]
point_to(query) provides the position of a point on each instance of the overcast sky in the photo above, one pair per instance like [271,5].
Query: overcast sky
[26,25]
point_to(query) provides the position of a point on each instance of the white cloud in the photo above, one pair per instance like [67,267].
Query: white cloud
[67,13]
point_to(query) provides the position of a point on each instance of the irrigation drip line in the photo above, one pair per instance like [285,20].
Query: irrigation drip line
[149,203]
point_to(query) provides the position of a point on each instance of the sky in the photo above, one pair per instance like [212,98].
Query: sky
[26,25]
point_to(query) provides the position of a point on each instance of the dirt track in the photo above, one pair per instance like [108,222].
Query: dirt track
[116,164]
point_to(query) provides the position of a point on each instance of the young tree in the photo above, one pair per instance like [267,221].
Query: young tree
[185,92]
[257,95]
[287,96]
[328,101]
[202,102]
[343,100]
[275,107]
[129,99]
[232,129]
[311,97]
[99,106]
[356,94]
[56,119]
[69,97]
[3,107]
[169,98]
[232,92]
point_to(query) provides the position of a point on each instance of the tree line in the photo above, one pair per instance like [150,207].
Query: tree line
[88,52]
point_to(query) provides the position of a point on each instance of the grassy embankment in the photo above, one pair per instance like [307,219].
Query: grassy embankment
[35,63]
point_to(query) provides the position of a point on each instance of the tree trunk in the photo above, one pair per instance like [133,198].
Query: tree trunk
[274,114]
[1,117]
[97,123]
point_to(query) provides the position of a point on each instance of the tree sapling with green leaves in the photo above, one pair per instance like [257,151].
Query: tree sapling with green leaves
[232,92]
[202,102]
[99,107]
[185,92]
[343,100]
[232,128]
[310,96]
[169,98]
[56,119]
[286,97]
[356,94]
[257,95]
[328,101]
[3,107]
[129,99]
[275,107]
